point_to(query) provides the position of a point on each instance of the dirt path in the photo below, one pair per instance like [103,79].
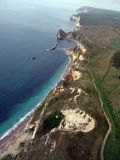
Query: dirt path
[102,106]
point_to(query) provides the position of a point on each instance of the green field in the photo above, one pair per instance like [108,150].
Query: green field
[103,28]
[116,43]
[98,17]
[112,148]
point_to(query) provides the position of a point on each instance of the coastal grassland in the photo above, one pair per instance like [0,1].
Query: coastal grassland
[108,84]
[101,35]
[102,28]
[96,16]
[91,105]
[116,43]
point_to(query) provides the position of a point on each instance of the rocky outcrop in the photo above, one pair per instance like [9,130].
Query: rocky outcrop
[53,47]
[63,35]
[60,34]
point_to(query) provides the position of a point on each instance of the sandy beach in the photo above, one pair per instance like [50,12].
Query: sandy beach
[14,133]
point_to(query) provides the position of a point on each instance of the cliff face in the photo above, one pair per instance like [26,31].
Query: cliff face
[77,25]
[77,36]
[69,122]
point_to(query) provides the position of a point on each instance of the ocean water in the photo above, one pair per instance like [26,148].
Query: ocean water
[27,28]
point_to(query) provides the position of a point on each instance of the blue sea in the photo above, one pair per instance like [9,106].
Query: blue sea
[27,28]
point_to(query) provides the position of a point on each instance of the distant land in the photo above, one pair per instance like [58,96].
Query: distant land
[79,119]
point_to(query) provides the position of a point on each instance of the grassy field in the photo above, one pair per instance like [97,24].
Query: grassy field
[116,43]
[107,82]
[98,17]
[102,27]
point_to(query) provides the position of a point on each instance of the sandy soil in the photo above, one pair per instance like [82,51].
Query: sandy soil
[76,120]
[81,58]
[76,75]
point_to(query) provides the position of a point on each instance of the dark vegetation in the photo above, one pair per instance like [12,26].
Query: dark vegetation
[52,121]
[116,60]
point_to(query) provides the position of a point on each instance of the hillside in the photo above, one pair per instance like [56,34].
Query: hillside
[72,122]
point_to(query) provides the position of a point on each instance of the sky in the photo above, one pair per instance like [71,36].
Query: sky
[106,4]
[66,4]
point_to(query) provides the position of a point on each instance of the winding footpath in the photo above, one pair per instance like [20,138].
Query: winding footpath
[102,106]
[78,27]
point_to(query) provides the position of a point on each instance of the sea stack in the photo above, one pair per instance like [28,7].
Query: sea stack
[60,34]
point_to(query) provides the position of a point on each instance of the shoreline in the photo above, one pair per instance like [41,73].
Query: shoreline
[13,133]
[19,129]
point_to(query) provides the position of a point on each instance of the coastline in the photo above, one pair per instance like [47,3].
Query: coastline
[13,133]
[81,95]
[75,70]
